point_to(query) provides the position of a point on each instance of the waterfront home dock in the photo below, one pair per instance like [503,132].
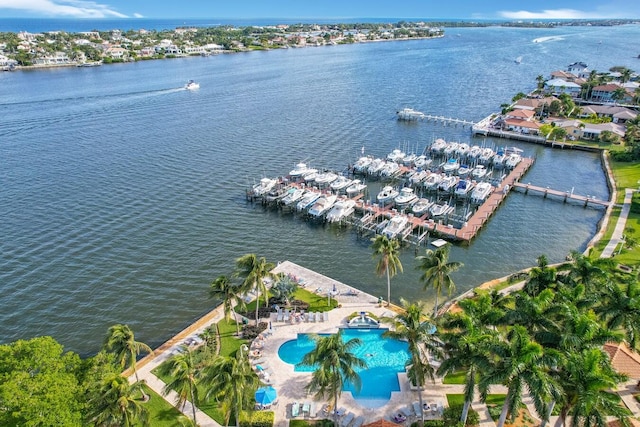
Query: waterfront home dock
[564,195]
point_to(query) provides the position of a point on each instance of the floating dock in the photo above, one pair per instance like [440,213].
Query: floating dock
[564,195]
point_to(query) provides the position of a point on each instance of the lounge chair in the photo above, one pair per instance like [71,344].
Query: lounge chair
[280,317]
[341,411]
[319,317]
[325,316]
[407,412]
[417,409]
[312,317]
[312,410]
[295,409]
[358,421]
[305,408]
[399,418]
[347,419]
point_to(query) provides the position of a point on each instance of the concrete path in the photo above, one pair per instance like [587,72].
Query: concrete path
[617,236]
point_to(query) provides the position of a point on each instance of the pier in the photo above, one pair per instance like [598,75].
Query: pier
[563,195]
[410,115]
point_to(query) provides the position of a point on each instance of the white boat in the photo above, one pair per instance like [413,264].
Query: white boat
[421,207]
[409,159]
[356,187]
[390,169]
[419,177]
[299,170]
[276,193]
[396,155]
[498,159]
[463,188]
[308,199]
[464,170]
[375,166]
[512,160]
[447,183]
[437,210]
[422,162]
[406,197]
[341,209]
[322,205]
[480,193]
[432,181]
[474,152]
[438,145]
[264,186]
[341,184]
[479,172]
[326,178]
[486,155]
[362,164]
[451,165]
[396,226]
[462,149]
[518,60]
[450,149]
[387,194]
[191,85]
[310,176]
[293,195]
[409,114]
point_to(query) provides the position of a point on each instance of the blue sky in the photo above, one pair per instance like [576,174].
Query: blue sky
[323,9]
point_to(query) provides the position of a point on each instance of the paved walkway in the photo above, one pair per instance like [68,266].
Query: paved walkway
[618,232]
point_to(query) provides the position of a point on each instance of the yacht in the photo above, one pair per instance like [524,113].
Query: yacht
[264,186]
[362,164]
[422,162]
[432,181]
[409,159]
[447,183]
[326,178]
[438,145]
[464,170]
[462,149]
[437,210]
[396,155]
[409,114]
[479,172]
[341,183]
[406,197]
[293,195]
[341,209]
[322,205]
[276,193]
[463,188]
[390,169]
[299,170]
[512,160]
[474,152]
[418,177]
[310,176]
[480,193]
[450,149]
[396,226]
[375,166]
[421,207]
[498,159]
[308,199]
[451,165]
[192,85]
[356,187]
[486,155]
[387,194]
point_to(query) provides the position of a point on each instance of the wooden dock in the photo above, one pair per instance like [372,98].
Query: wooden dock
[564,195]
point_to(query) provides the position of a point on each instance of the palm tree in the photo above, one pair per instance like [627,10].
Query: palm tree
[231,380]
[540,277]
[587,271]
[540,81]
[121,341]
[436,272]
[621,309]
[223,289]
[418,331]
[336,366]
[183,372]
[388,251]
[115,404]
[254,271]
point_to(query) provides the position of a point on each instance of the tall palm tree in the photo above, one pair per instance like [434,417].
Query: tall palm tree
[413,326]
[388,251]
[231,380]
[223,289]
[436,272]
[540,277]
[183,371]
[254,271]
[115,404]
[587,271]
[621,309]
[121,341]
[336,366]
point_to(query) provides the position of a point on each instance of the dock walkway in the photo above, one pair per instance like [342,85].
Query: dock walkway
[618,237]
[565,195]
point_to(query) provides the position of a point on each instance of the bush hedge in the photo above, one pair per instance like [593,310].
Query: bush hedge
[257,419]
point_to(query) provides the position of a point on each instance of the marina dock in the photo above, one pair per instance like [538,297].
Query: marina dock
[564,195]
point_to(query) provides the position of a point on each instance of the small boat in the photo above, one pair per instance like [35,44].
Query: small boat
[447,183]
[390,169]
[463,188]
[362,164]
[421,207]
[450,149]
[479,172]
[462,149]
[409,159]
[406,197]
[432,181]
[396,155]
[322,205]
[341,183]
[375,166]
[293,195]
[395,227]
[418,177]
[192,85]
[356,187]
[341,209]
[264,186]
[480,193]
[438,145]
[474,152]
[464,170]
[299,170]
[422,162]
[498,159]
[518,60]
[437,210]
[308,199]
[486,155]
[326,178]
[451,165]
[512,160]
[276,193]
[310,176]
[409,114]
[387,194]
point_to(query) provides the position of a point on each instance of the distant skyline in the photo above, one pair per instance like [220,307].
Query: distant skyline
[322,10]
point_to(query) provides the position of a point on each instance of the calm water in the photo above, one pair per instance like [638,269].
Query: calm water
[122,195]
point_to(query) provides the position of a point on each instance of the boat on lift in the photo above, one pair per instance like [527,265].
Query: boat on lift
[387,194]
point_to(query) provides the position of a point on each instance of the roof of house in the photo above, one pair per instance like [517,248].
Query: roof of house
[527,103]
[609,87]
[522,123]
[568,123]
[564,75]
[632,422]
[521,114]
[623,359]
[561,83]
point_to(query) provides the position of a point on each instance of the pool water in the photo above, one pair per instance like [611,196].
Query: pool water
[385,357]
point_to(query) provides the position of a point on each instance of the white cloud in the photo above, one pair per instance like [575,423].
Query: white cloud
[63,8]
[553,14]
[138,15]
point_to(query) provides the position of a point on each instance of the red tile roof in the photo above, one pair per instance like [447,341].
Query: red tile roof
[623,359]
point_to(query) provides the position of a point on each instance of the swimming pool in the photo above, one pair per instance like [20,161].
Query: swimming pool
[385,358]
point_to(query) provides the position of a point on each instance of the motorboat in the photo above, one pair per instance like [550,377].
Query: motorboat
[486,155]
[447,183]
[474,152]
[308,199]
[451,165]
[396,155]
[418,177]
[390,169]
[438,145]
[264,186]
[192,85]
[409,114]
[464,170]
[375,166]
[481,191]
[432,181]
[512,160]
[409,159]
[463,188]
[322,205]
[311,176]
[292,196]
[406,197]
[479,172]
[387,194]
[450,149]
[422,162]
[276,193]
[463,149]
[326,178]
[340,210]
[438,210]
[299,170]
[498,159]
[341,183]
[362,164]
[421,207]
[395,227]
[356,187]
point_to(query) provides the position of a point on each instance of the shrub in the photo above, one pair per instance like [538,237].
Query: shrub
[451,416]
[250,332]
[635,203]
[256,419]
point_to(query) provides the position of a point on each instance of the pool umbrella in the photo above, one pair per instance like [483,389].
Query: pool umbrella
[266,395]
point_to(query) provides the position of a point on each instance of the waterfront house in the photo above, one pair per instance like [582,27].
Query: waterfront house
[616,113]
[579,69]
[116,52]
[604,93]
[563,75]
[593,131]
[573,127]
[558,86]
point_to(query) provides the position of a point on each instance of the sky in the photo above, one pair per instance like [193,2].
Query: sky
[322,9]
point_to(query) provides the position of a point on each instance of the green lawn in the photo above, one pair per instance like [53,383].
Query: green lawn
[161,412]
[229,342]
[457,377]
[455,399]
